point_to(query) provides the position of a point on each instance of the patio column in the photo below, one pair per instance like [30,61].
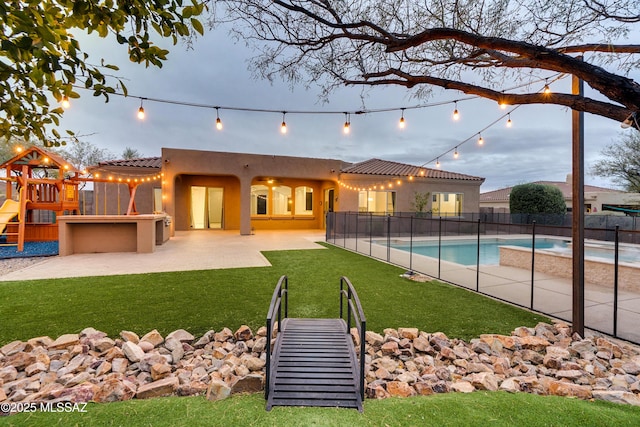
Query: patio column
[245,205]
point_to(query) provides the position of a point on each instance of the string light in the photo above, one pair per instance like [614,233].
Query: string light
[456,113]
[283,126]
[347,123]
[547,89]
[455,153]
[65,102]
[509,122]
[402,123]
[437,162]
[141,114]
[480,140]
[218,121]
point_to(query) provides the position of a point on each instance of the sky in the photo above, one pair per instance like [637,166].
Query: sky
[214,72]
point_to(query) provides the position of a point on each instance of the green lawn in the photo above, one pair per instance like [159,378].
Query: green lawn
[201,300]
[453,409]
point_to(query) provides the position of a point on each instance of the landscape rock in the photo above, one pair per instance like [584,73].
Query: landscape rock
[163,387]
[181,335]
[132,351]
[65,341]
[153,337]
[218,390]
[544,360]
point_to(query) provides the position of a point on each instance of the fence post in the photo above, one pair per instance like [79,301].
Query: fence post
[357,221]
[615,281]
[370,232]
[344,230]
[533,260]
[478,261]
[388,238]
[411,243]
[439,243]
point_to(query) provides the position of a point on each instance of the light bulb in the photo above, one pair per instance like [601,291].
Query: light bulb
[402,123]
[480,140]
[347,127]
[455,153]
[141,114]
[509,122]
[503,106]
[65,102]
[456,113]
[283,127]
[547,89]
[437,163]
[218,123]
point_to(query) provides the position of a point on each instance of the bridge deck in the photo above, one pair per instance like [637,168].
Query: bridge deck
[314,364]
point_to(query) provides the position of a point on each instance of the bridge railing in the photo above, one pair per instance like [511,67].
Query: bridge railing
[354,310]
[275,310]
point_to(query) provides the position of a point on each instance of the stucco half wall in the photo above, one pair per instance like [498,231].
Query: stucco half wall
[235,173]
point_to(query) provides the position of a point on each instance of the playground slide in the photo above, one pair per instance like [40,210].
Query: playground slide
[8,210]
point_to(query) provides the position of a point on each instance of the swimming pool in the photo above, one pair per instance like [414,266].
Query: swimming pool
[465,252]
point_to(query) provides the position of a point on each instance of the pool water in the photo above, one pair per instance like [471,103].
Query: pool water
[465,252]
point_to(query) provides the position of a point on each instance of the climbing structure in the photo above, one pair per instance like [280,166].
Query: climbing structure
[40,186]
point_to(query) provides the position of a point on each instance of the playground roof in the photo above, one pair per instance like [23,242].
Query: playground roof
[146,162]
[37,157]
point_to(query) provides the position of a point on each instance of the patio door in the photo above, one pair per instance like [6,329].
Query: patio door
[206,208]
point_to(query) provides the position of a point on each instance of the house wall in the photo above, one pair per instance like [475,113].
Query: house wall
[405,192]
[116,201]
[245,170]
[231,199]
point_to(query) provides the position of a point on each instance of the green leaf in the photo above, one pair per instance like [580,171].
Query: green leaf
[197,25]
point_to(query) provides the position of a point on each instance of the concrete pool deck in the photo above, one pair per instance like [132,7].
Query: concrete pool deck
[552,295]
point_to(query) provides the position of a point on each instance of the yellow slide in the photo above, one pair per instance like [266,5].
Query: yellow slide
[9,209]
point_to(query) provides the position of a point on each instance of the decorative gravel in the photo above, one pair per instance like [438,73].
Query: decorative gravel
[31,249]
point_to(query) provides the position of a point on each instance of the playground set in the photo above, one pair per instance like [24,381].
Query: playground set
[41,187]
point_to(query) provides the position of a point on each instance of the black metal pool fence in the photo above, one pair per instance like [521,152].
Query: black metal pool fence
[612,305]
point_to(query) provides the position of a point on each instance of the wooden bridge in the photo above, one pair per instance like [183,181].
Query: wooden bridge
[314,362]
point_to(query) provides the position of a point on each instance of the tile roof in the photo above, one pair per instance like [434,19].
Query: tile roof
[502,195]
[389,168]
[146,162]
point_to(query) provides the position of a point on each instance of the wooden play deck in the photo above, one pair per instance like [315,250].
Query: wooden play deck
[314,362]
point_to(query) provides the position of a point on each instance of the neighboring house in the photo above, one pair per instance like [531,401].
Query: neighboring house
[597,199]
[246,192]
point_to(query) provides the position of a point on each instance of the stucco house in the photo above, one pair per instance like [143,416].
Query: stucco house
[247,192]
[597,199]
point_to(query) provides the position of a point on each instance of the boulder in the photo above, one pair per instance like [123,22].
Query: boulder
[400,389]
[163,387]
[64,341]
[218,390]
[181,335]
[129,336]
[251,383]
[114,390]
[13,348]
[153,337]
[132,351]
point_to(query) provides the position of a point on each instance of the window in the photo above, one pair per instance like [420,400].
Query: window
[281,199]
[259,196]
[157,200]
[382,202]
[447,204]
[304,201]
